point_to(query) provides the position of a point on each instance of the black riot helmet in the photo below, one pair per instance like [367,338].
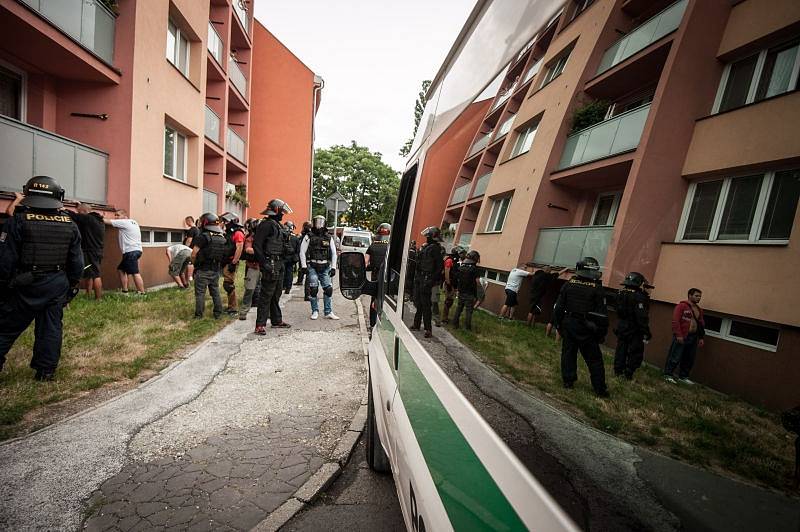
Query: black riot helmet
[432,233]
[636,280]
[588,268]
[318,222]
[230,219]
[250,225]
[43,192]
[277,207]
[473,256]
[289,226]
[210,222]
[306,227]
[456,251]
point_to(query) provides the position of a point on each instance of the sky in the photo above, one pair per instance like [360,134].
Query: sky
[373,56]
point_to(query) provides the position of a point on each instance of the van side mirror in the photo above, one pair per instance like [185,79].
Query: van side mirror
[353,275]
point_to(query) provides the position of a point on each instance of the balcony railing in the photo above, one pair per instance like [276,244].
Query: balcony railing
[236,146]
[460,194]
[481,185]
[215,43]
[652,30]
[532,71]
[480,144]
[610,137]
[212,125]
[26,151]
[241,14]
[237,78]
[87,21]
[500,100]
[564,246]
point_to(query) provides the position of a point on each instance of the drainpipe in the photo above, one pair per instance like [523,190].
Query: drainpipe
[319,83]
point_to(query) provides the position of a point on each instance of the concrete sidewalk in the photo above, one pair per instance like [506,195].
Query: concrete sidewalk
[218,441]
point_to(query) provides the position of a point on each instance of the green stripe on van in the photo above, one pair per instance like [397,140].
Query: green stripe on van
[469,494]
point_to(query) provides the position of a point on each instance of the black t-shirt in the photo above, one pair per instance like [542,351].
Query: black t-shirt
[192,233]
[539,283]
[92,230]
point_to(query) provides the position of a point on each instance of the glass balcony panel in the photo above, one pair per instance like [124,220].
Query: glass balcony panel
[86,21]
[481,185]
[546,246]
[241,14]
[212,125]
[90,163]
[532,71]
[209,201]
[56,158]
[464,239]
[649,32]
[600,140]
[570,247]
[236,146]
[480,144]
[214,43]
[460,194]
[237,78]
[630,130]
[564,246]
[573,149]
[66,14]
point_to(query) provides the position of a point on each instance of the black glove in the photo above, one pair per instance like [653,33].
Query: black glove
[71,293]
[333,273]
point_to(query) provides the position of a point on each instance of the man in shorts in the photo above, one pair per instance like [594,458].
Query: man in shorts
[130,243]
[93,232]
[180,260]
[515,278]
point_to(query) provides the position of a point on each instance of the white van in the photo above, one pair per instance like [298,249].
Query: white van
[355,240]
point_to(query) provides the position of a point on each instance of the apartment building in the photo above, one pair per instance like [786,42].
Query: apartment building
[660,137]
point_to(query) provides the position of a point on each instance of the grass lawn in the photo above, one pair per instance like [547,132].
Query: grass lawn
[691,423]
[110,341]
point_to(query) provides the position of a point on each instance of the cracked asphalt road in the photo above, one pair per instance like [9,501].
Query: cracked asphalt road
[214,443]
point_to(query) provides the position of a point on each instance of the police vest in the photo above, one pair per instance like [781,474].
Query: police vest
[429,259]
[46,239]
[581,295]
[274,246]
[212,254]
[319,248]
[466,275]
[377,255]
[626,304]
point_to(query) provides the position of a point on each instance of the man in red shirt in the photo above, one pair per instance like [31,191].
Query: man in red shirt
[234,235]
[688,330]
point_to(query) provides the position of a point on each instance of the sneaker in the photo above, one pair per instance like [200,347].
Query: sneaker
[44,376]
[281,325]
[332,316]
[260,330]
[685,380]
[670,379]
[141,293]
[286,291]
[428,334]
[314,315]
[243,317]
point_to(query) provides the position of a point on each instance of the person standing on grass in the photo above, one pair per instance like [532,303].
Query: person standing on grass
[540,282]
[633,325]
[130,243]
[207,254]
[252,272]
[515,278]
[180,259]
[234,242]
[468,282]
[688,330]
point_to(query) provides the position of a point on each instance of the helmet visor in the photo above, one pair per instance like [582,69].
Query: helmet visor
[318,222]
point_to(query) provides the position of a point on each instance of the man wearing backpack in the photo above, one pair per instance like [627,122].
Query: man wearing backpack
[207,254]
[234,243]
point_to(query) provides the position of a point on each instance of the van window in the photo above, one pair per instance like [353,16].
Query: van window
[394,260]
[356,241]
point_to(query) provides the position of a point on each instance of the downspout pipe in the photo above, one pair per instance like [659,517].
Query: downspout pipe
[319,84]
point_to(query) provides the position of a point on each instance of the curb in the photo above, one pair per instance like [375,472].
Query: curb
[330,470]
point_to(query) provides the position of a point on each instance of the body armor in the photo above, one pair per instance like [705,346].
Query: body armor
[45,240]
[581,296]
[274,246]
[378,255]
[467,275]
[212,254]
[429,259]
[319,247]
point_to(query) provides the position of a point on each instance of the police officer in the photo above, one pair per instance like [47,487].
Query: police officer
[427,274]
[467,278]
[580,315]
[270,247]
[292,258]
[300,272]
[208,251]
[318,257]
[451,266]
[376,256]
[234,240]
[40,267]
[633,326]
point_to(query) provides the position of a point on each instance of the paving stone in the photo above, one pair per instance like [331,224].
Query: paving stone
[225,498]
[204,452]
[288,473]
[101,522]
[129,522]
[149,508]
[182,481]
[147,492]
[182,516]
[160,518]
[220,469]
[214,485]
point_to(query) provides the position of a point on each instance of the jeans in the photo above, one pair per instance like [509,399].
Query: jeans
[203,279]
[251,278]
[681,356]
[320,275]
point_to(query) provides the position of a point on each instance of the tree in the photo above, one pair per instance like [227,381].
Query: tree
[369,184]
[419,108]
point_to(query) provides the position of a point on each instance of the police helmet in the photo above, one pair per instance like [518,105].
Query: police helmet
[289,225]
[589,268]
[635,280]
[433,233]
[306,226]
[473,255]
[277,206]
[318,222]
[384,230]
[230,218]
[43,192]
[210,222]
[250,225]
[456,251]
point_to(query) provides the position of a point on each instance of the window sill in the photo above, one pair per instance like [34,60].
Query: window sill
[743,341]
[734,109]
[545,85]
[763,243]
[514,157]
[184,76]
[179,181]
[489,232]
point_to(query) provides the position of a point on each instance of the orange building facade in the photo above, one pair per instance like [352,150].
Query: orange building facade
[658,137]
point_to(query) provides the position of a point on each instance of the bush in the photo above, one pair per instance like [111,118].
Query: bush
[590,114]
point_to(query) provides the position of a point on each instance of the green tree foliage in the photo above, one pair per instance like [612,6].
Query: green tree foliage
[419,108]
[369,184]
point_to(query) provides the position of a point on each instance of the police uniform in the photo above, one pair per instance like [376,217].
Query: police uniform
[633,328]
[377,256]
[428,272]
[466,279]
[579,297]
[319,249]
[211,252]
[269,247]
[40,263]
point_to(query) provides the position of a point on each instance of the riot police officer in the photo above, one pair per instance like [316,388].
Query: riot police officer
[467,278]
[580,315]
[451,266]
[209,249]
[318,257]
[270,246]
[234,240]
[376,256]
[633,326]
[427,274]
[40,265]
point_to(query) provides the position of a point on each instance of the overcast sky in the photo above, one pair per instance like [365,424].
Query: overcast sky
[373,56]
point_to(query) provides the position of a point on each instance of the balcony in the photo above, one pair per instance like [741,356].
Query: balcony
[237,77]
[464,239]
[652,30]
[503,98]
[212,125]
[610,137]
[27,151]
[480,144]
[565,246]
[532,71]
[88,22]
[460,194]
[236,146]
[215,46]
[481,185]
[241,14]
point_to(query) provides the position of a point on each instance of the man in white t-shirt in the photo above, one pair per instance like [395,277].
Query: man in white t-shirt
[180,264]
[130,243]
[515,278]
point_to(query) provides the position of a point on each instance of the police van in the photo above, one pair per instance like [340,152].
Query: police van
[354,239]
[451,470]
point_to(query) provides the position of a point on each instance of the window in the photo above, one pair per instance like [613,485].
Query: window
[754,78]
[605,209]
[176,237]
[525,139]
[161,237]
[177,48]
[11,94]
[356,241]
[556,67]
[174,154]
[580,7]
[532,71]
[495,276]
[755,208]
[497,215]
[630,103]
[394,258]
[742,332]
[505,127]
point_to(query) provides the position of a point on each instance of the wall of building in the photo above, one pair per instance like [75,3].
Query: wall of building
[282,115]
